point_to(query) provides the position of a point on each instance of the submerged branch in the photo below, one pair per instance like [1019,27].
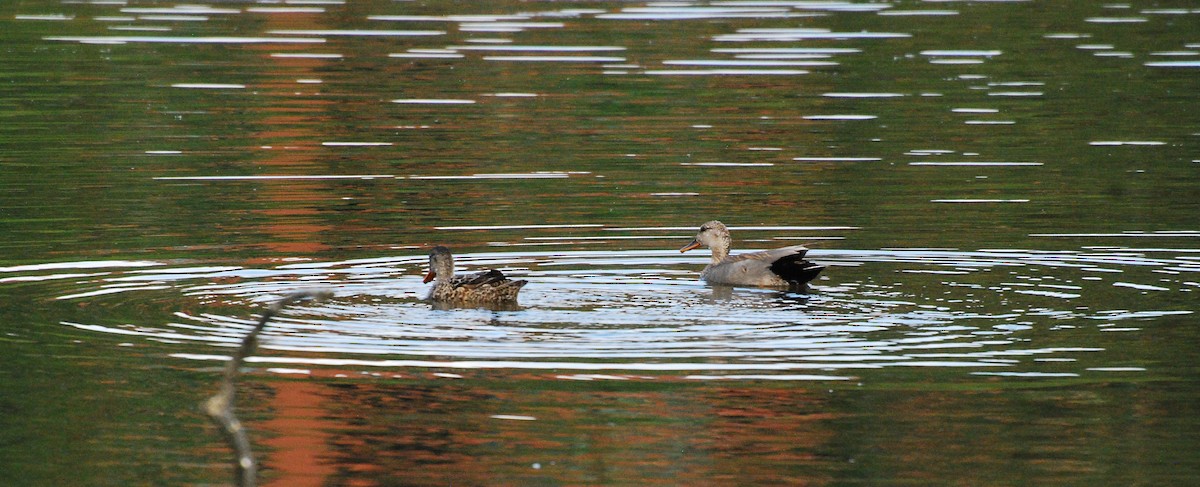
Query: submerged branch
[220,406]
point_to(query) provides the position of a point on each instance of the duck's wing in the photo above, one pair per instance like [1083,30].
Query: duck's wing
[488,289]
[507,290]
[489,277]
[775,267]
[490,285]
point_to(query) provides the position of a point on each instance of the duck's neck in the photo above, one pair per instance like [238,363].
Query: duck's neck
[720,251]
[445,272]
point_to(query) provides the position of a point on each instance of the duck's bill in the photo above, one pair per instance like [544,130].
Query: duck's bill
[429,276]
[693,245]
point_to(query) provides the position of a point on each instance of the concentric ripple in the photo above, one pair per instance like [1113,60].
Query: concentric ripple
[982,312]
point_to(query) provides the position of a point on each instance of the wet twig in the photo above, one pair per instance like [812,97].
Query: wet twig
[220,406]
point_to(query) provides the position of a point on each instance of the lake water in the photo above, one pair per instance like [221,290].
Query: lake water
[1005,194]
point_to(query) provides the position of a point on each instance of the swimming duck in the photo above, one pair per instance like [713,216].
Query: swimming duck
[489,288]
[782,267]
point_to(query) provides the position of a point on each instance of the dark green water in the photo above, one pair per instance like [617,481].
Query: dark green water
[1005,194]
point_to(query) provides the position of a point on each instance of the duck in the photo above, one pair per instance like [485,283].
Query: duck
[776,268]
[490,288]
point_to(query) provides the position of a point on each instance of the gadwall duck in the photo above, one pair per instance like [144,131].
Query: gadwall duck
[489,288]
[782,267]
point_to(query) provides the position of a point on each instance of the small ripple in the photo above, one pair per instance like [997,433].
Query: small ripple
[1016,94]
[356,32]
[434,101]
[724,72]
[285,10]
[209,86]
[862,95]
[46,17]
[185,40]
[975,163]
[837,159]
[842,117]
[1174,64]
[794,35]
[305,55]
[557,59]
[1116,20]
[667,13]
[961,53]
[744,62]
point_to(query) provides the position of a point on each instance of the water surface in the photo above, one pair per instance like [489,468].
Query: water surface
[1004,195]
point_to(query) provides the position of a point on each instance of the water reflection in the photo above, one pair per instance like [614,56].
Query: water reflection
[432,430]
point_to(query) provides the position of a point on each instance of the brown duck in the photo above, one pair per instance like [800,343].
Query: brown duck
[782,267]
[486,289]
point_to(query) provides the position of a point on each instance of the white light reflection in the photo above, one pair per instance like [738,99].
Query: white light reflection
[185,40]
[209,86]
[433,101]
[568,59]
[849,117]
[46,17]
[734,62]
[1174,64]
[358,32]
[979,200]
[837,159]
[975,163]
[724,72]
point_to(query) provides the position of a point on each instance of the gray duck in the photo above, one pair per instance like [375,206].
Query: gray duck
[778,268]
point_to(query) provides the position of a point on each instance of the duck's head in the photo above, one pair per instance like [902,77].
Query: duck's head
[440,262]
[713,235]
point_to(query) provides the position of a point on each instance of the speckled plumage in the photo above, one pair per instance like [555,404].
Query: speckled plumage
[485,289]
[782,267]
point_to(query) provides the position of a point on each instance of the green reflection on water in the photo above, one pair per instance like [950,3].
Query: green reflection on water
[82,409]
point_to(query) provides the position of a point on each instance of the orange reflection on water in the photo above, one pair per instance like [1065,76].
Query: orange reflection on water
[285,139]
[299,454]
[521,430]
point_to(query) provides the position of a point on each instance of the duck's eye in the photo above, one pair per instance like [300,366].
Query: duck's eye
[704,229]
